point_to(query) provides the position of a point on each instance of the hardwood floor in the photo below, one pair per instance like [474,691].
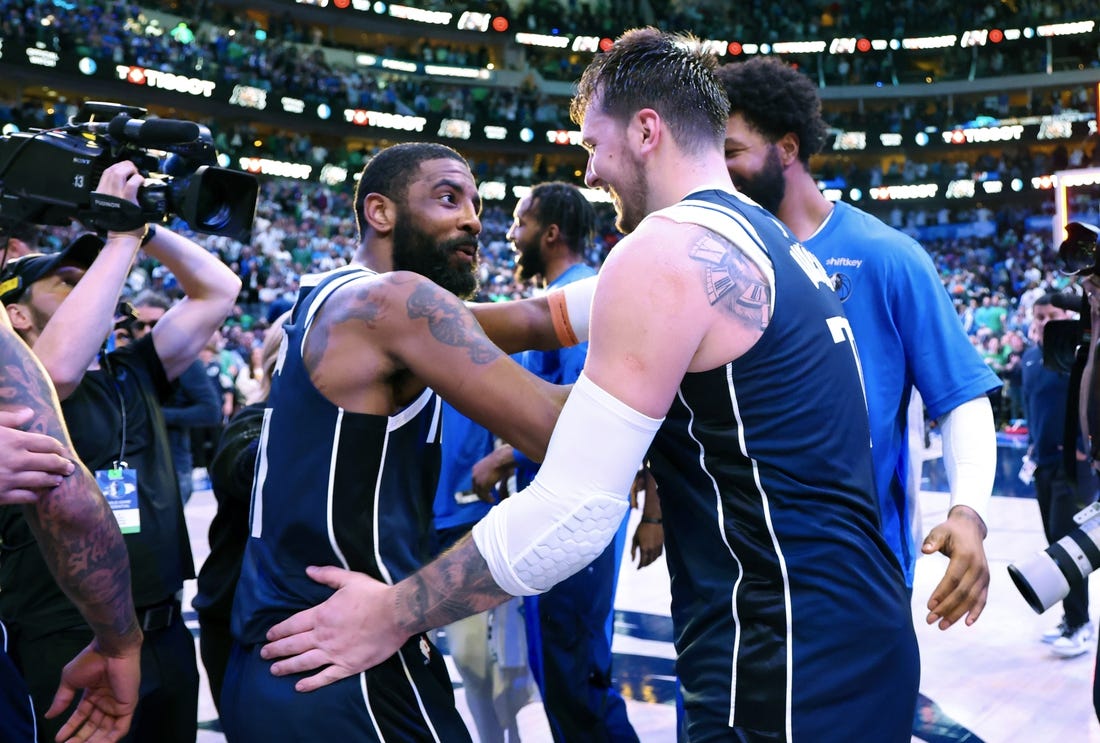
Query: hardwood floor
[993,682]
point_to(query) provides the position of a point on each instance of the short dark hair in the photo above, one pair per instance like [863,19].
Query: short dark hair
[23,231]
[774,98]
[392,170]
[563,204]
[670,73]
[152,298]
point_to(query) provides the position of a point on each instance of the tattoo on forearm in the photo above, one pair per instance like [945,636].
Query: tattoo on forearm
[456,585]
[72,523]
[86,554]
[450,322]
[731,279]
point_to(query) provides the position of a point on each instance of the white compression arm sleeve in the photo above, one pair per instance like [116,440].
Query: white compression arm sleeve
[970,453]
[567,516]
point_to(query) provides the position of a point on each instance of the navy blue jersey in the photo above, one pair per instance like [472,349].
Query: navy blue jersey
[335,488]
[332,487]
[790,611]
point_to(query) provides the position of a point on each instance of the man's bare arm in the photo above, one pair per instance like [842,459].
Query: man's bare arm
[370,330]
[557,319]
[75,333]
[210,288]
[519,325]
[76,532]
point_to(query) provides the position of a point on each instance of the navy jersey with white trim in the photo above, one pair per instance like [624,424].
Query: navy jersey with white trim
[790,611]
[332,487]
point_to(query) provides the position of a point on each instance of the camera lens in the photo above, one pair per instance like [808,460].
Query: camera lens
[1045,578]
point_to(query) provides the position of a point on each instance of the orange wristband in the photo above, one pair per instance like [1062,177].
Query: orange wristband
[559,317]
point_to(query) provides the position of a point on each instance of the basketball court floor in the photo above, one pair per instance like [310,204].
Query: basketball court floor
[993,682]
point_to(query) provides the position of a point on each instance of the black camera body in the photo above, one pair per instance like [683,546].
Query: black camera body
[1064,341]
[49,176]
[1078,251]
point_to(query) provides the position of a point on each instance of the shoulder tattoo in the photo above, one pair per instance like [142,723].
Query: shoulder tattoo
[359,302]
[731,280]
[450,322]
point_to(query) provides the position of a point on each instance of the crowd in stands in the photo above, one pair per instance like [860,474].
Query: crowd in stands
[1008,162]
[289,58]
[234,49]
[303,228]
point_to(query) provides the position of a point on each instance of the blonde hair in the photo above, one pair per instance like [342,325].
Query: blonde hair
[273,338]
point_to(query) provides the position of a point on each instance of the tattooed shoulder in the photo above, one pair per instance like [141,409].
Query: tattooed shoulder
[732,282]
[450,322]
[362,301]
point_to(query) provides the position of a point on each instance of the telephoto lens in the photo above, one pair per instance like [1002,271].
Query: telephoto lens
[1045,578]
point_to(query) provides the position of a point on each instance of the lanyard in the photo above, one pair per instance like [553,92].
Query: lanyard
[121,461]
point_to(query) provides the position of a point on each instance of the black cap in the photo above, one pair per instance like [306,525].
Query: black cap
[20,273]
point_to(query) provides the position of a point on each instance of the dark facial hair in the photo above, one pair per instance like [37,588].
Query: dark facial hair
[631,198]
[415,250]
[767,187]
[529,262]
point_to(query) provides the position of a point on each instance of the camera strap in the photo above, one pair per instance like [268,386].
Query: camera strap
[111,213]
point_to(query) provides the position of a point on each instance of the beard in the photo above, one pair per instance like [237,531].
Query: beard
[529,262]
[767,187]
[630,201]
[415,250]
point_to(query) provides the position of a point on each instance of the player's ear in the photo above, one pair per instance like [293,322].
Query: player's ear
[19,316]
[379,212]
[650,128]
[551,234]
[789,147]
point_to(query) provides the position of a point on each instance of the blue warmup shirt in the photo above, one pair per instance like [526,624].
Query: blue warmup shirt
[908,334]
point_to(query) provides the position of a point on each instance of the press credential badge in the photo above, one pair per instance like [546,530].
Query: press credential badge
[119,487]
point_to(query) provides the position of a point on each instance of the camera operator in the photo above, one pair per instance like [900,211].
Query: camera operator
[63,306]
[1090,411]
[1046,399]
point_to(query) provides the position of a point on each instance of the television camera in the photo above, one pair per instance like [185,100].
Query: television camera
[48,176]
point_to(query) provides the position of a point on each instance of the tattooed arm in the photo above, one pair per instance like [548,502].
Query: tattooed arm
[655,306]
[84,550]
[30,463]
[366,621]
[371,332]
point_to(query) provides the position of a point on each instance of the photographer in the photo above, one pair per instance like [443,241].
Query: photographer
[63,306]
[1046,398]
[1090,411]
